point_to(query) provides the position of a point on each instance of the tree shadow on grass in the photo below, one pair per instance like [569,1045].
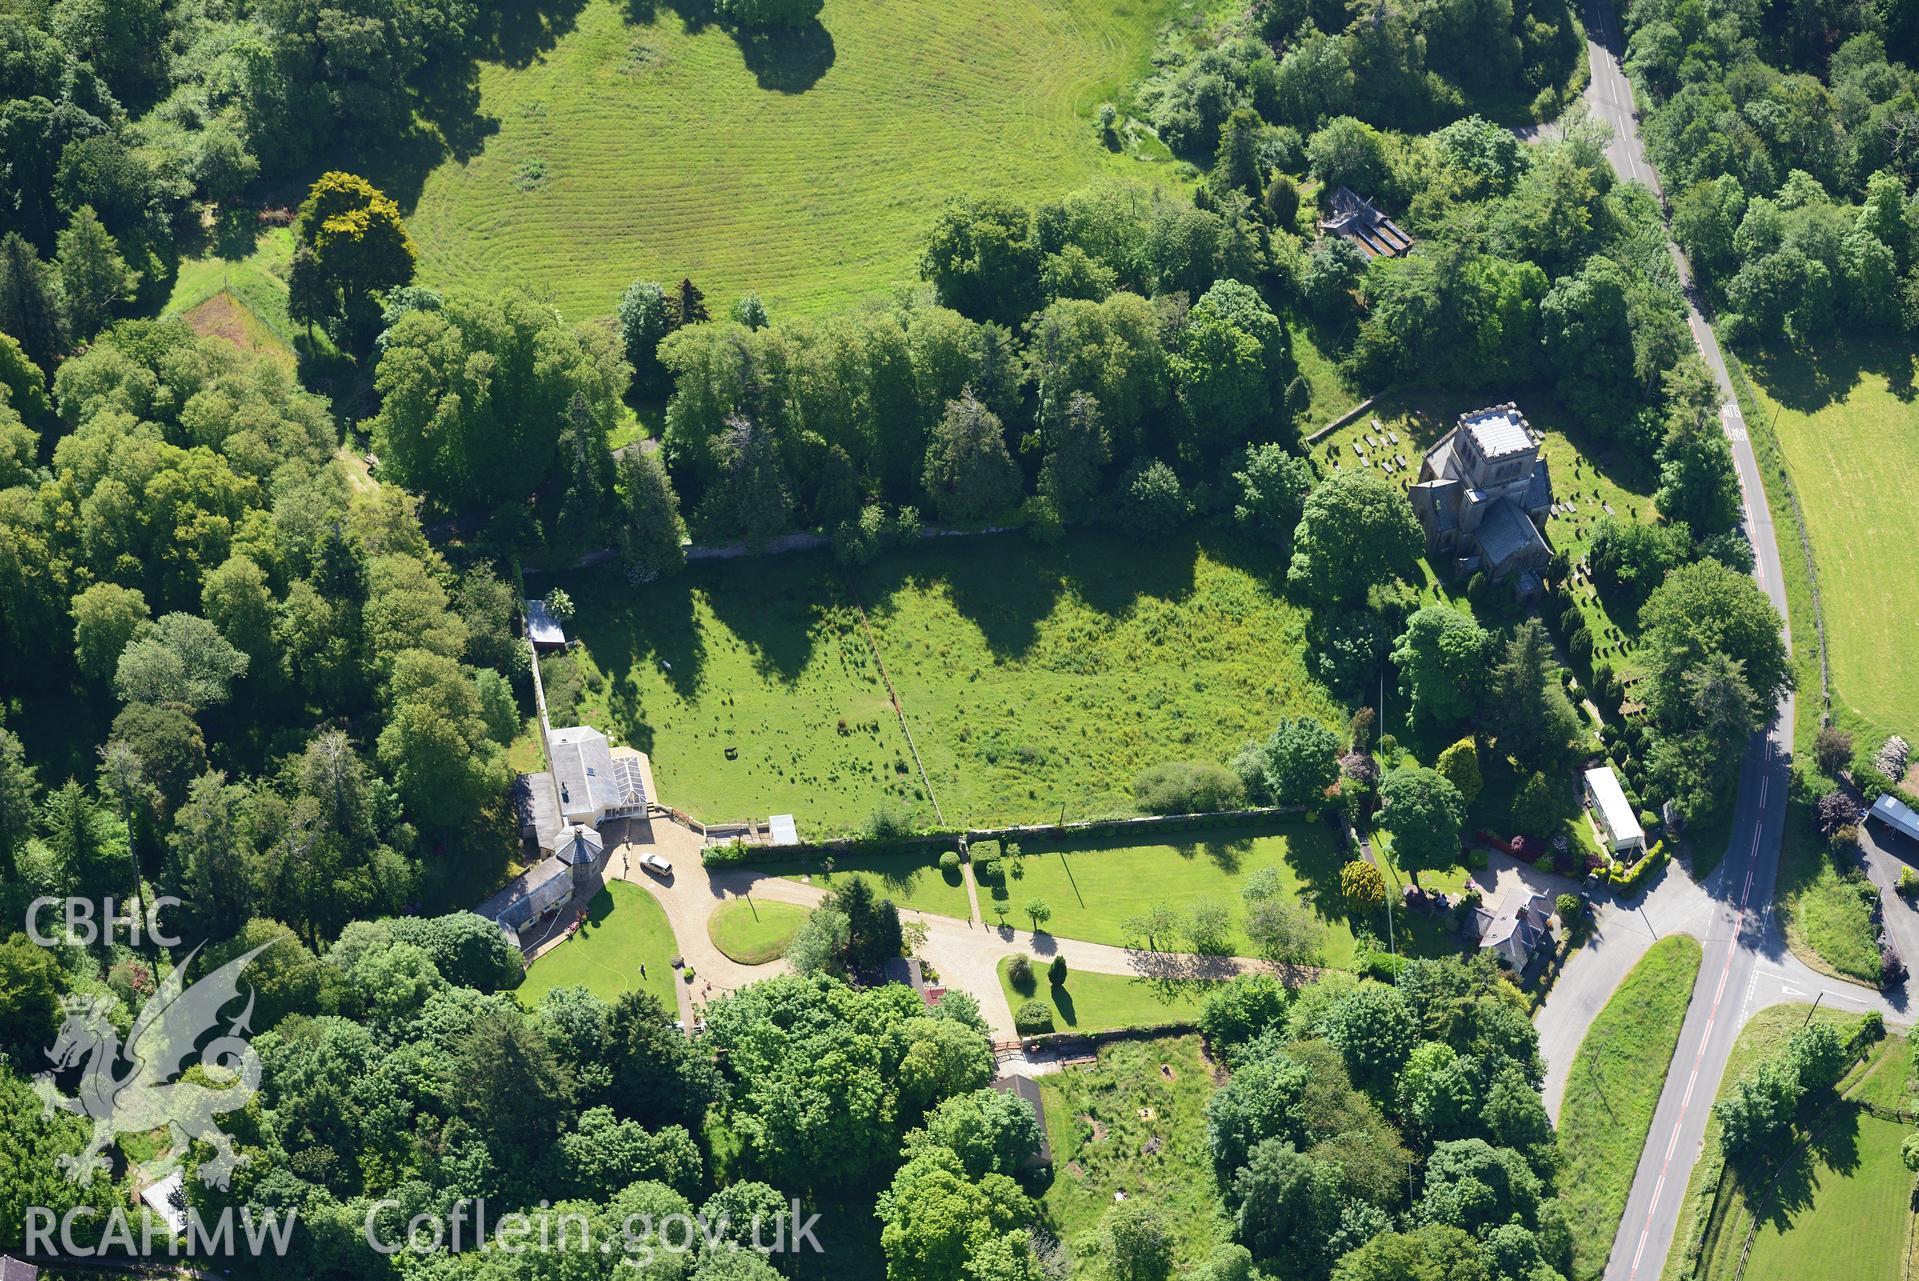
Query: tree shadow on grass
[1063,1002]
[773,604]
[624,626]
[790,59]
[1806,381]
[1790,1188]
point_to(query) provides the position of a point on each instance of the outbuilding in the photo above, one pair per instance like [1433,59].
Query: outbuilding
[1896,814]
[1613,813]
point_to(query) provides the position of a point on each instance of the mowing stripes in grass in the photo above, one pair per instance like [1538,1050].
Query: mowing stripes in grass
[1612,1091]
[807,169]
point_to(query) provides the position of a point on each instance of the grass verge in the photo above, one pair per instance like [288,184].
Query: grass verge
[1827,915]
[753,933]
[1612,1091]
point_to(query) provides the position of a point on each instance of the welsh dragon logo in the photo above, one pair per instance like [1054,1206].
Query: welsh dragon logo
[131,1088]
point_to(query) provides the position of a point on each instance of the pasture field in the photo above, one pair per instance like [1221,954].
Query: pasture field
[624,927]
[1101,1120]
[1847,425]
[752,933]
[1764,1036]
[1093,889]
[805,167]
[1852,1220]
[1614,1087]
[1100,1002]
[1037,680]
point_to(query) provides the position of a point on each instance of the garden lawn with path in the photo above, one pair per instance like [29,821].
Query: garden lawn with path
[1612,1090]
[754,933]
[804,164]
[1103,1118]
[1847,423]
[1093,888]
[624,928]
[1101,1002]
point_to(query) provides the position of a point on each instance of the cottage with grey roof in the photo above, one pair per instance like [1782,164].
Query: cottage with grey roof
[1483,495]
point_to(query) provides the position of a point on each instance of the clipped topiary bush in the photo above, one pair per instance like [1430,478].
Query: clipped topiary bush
[949,863]
[1020,974]
[1033,1017]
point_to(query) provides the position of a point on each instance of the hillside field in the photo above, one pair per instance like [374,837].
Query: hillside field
[805,167]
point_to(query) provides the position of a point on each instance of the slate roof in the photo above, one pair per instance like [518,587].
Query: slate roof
[1507,532]
[529,894]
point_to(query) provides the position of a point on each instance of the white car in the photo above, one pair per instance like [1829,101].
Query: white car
[656,865]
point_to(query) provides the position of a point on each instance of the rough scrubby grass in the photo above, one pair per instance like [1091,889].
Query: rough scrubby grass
[1037,680]
[1102,1118]
[1614,1087]
[753,933]
[624,927]
[1848,426]
[1040,680]
[1101,1002]
[1828,920]
[806,167]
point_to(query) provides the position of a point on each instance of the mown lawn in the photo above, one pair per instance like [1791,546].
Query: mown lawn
[806,166]
[1612,1091]
[1102,1118]
[1100,1002]
[1847,422]
[1764,1036]
[912,882]
[753,933]
[1093,889]
[1038,680]
[1828,918]
[624,928]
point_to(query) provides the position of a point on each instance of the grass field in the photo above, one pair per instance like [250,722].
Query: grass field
[624,927]
[915,884]
[1764,1036]
[1093,889]
[1844,1208]
[806,167]
[1612,1091]
[1848,426]
[1038,681]
[1101,1002]
[753,933]
[1101,1118]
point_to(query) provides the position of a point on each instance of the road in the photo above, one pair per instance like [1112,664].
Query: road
[1747,965]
